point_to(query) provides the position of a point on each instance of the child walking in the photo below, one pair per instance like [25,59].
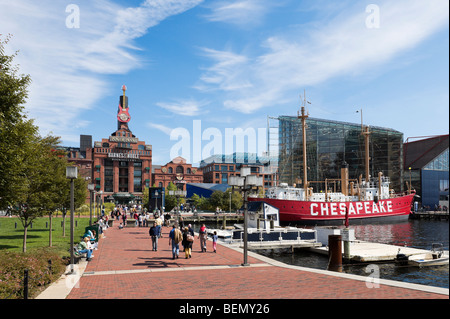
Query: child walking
[215,237]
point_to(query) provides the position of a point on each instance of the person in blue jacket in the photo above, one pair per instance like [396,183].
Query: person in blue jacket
[154,234]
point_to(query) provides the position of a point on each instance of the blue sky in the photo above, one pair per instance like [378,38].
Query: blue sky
[203,67]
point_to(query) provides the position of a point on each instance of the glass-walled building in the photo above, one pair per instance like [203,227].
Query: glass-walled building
[329,144]
[426,167]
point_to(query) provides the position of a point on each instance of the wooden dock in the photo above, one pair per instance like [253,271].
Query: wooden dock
[438,215]
[221,219]
[289,245]
[361,251]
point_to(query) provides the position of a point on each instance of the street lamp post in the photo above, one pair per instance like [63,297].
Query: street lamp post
[91,188]
[71,173]
[245,182]
[100,201]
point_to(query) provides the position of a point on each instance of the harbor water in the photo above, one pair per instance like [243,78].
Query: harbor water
[413,233]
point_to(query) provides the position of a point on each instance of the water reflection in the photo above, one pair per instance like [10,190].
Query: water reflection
[414,233]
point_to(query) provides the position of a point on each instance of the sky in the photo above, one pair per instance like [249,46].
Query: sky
[199,72]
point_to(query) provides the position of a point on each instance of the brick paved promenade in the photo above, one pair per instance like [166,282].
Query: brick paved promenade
[125,267]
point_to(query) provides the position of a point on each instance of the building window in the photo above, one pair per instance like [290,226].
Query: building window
[189,171]
[179,170]
[170,170]
[443,185]
[440,163]
[137,184]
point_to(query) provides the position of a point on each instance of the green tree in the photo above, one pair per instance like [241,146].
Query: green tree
[15,129]
[236,199]
[195,200]
[145,196]
[32,173]
[171,201]
[39,181]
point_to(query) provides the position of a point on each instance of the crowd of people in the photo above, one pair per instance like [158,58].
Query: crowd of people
[89,241]
[179,234]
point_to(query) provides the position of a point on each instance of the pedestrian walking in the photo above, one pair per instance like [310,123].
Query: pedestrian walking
[124,218]
[158,224]
[154,234]
[202,235]
[215,238]
[175,237]
[181,223]
[191,232]
[188,239]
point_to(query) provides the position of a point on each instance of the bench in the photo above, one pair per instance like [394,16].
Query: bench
[77,256]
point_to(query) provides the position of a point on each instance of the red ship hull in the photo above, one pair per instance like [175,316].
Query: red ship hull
[308,212]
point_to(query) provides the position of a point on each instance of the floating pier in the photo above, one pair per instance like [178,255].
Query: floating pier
[362,251]
[438,215]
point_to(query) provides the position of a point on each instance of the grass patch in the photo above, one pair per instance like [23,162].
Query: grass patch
[11,234]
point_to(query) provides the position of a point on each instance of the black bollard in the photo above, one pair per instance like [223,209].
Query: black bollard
[25,284]
[335,253]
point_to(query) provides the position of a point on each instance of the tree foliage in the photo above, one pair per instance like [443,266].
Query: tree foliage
[219,200]
[32,171]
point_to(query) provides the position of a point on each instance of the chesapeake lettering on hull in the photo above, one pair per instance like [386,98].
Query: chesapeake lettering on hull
[356,208]
[123,156]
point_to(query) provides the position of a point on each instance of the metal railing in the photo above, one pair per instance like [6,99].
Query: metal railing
[273,235]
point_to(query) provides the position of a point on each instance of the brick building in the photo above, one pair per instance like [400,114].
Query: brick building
[121,163]
[218,168]
[178,172]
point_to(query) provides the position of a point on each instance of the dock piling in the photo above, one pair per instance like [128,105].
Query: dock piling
[335,253]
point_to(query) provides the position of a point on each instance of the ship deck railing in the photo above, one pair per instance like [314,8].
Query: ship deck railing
[276,238]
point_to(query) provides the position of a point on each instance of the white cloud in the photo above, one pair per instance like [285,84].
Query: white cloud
[67,64]
[226,74]
[184,107]
[165,129]
[239,12]
[342,46]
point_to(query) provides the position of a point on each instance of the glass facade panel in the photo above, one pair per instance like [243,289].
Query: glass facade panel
[329,144]
[440,163]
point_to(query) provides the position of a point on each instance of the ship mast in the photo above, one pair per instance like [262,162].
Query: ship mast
[303,117]
[365,133]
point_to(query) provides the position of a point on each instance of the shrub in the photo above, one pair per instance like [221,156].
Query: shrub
[13,265]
